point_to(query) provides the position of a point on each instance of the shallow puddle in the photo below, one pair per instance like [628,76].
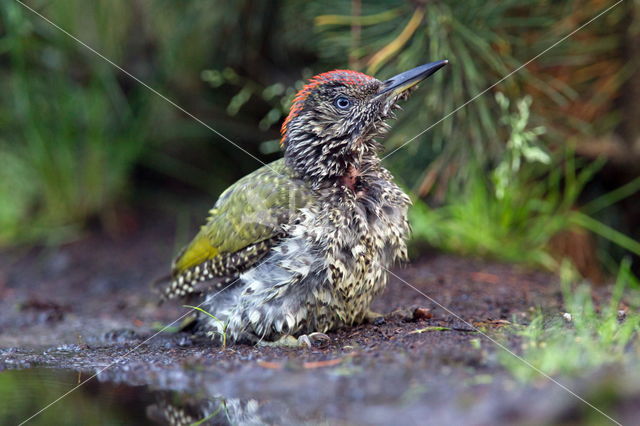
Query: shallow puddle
[26,394]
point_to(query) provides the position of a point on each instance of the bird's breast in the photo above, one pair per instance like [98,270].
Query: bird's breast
[359,237]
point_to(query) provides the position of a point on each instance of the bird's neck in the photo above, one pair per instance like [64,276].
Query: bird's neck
[342,165]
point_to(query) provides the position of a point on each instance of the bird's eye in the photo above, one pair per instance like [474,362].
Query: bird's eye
[342,102]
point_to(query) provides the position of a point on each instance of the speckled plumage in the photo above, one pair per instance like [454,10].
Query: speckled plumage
[301,245]
[213,410]
[327,269]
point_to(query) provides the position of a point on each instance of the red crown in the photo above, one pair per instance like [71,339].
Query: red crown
[340,76]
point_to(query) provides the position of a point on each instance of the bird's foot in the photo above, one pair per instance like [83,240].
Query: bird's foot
[374,318]
[311,340]
[315,339]
[286,341]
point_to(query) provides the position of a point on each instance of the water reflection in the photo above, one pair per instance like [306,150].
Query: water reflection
[180,410]
[139,394]
[24,392]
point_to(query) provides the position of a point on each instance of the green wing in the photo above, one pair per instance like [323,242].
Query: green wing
[246,219]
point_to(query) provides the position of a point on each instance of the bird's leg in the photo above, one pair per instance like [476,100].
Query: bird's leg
[306,340]
[374,318]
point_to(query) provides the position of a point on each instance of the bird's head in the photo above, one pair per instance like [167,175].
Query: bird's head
[335,118]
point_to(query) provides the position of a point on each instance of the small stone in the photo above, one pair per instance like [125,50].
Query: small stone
[378,321]
[422,314]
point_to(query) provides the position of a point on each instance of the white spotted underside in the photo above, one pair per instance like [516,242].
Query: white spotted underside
[325,272]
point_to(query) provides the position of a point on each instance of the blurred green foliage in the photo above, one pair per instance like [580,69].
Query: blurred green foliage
[519,225]
[514,211]
[70,135]
[76,134]
[69,159]
[516,226]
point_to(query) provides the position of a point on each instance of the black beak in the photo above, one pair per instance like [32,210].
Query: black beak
[401,82]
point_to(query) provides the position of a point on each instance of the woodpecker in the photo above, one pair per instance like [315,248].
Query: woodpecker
[301,246]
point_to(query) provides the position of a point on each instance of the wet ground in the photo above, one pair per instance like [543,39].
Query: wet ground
[88,309]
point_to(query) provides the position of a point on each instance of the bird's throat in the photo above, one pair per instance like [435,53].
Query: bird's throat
[352,180]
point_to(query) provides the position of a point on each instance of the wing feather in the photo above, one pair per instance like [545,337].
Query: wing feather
[245,222]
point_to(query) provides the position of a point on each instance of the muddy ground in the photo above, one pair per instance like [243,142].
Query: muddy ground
[88,308]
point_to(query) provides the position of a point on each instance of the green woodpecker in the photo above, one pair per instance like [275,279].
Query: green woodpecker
[301,246]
